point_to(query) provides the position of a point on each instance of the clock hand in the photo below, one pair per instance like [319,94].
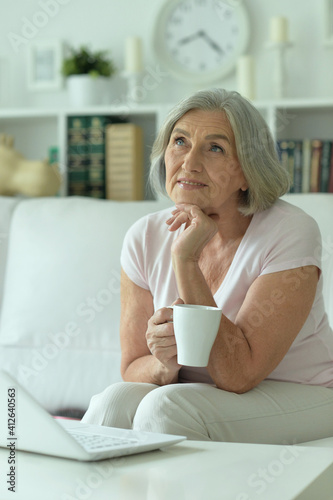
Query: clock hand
[188,39]
[211,43]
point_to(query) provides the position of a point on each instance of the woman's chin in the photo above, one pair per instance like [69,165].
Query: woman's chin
[195,197]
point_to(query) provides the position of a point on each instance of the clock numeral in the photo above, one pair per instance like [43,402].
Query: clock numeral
[224,13]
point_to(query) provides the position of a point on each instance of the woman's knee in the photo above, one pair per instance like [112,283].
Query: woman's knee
[153,410]
[116,405]
[99,404]
[170,409]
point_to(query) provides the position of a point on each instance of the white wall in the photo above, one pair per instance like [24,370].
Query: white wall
[105,24]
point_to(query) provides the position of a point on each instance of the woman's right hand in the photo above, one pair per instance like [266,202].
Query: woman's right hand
[161,340]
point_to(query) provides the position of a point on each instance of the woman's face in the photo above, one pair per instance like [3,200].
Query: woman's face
[201,162]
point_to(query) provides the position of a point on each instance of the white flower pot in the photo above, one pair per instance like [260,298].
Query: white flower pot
[85,90]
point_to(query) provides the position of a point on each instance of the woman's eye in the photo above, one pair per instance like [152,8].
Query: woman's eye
[216,148]
[179,141]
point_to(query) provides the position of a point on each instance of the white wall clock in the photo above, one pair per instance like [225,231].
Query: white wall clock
[199,41]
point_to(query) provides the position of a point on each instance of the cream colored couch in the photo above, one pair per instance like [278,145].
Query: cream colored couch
[59,291]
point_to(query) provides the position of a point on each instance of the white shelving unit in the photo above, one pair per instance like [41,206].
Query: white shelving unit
[35,130]
[299,118]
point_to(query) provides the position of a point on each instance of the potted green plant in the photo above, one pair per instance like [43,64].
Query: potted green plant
[88,75]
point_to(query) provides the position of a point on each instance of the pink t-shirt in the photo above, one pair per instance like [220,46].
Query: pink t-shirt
[280,238]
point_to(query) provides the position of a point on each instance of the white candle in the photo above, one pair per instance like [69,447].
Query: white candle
[279,29]
[245,77]
[133,55]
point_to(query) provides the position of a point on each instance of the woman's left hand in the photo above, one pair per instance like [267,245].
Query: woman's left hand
[200,229]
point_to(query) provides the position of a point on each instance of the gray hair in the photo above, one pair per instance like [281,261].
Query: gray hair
[267,179]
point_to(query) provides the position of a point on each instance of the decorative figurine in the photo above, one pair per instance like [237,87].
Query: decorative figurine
[19,176]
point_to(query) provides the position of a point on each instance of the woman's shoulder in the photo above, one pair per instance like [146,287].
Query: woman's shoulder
[284,230]
[153,219]
[149,224]
[284,215]
[141,246]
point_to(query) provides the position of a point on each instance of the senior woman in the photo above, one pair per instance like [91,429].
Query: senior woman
[228,242]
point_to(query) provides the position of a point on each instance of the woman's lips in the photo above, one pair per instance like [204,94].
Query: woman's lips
[189,184]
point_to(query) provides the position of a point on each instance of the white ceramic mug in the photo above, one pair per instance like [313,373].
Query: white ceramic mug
[195,328]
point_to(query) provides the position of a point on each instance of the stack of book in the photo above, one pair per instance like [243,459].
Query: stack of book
[124,162]
[86,154]
[309,163]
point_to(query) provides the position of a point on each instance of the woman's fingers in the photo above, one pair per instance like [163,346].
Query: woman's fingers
[200,229]
[160,328]
[175,222]
[161,316]
[183,214]
[160,336]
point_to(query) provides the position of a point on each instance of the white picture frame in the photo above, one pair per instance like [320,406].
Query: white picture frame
[5,78]
[328,23]
[44,65]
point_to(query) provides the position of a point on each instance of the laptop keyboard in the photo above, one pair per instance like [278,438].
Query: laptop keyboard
[97,442]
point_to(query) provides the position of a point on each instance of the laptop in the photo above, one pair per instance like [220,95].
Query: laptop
[26,426]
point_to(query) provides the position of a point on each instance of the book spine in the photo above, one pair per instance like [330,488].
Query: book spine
[330,183]
[283,154]
[96,156]
[316,149]
[291,164]
[77,155]
[325,166]
[298,166]
[306,169]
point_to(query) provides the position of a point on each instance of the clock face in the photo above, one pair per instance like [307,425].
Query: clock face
[200,40]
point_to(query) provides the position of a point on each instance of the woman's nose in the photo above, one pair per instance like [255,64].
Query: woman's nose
[193,162]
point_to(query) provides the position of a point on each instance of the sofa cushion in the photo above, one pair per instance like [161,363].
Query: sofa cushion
[7,207]
[62,285]
[320,207]
[60,378]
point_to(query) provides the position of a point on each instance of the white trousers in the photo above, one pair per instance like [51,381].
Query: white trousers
[273,412]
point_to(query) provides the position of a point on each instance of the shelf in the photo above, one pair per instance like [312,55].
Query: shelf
[7,114]
[56,113]
[36,129]
[151,109]
[294,103]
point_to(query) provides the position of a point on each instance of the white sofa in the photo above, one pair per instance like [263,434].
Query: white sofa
[59,291]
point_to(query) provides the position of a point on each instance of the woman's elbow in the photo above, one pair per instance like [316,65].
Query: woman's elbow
[238,385]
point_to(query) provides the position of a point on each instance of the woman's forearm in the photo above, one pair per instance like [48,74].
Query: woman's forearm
[192,286]
[150,370]
[231,353]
